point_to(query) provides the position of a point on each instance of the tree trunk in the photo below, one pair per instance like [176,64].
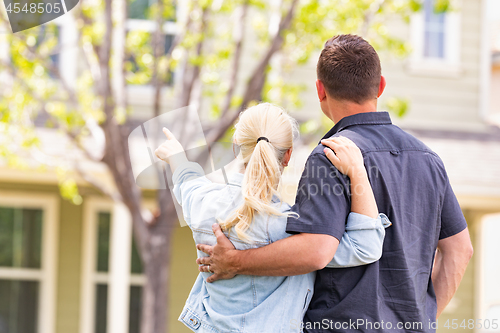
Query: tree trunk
[153,236]
[156,258]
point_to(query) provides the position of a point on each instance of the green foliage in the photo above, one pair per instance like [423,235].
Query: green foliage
[398,106]
[68,187]
[317,21]
[36,90]
[139,55]
[442,6]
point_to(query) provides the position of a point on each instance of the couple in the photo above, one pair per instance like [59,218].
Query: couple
[315,267]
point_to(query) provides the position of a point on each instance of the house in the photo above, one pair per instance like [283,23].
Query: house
[452,83]
[68,268]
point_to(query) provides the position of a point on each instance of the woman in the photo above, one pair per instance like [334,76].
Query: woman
[250,212]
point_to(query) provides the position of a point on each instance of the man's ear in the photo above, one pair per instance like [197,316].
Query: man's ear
[382,85]
[287,157]
[320,88]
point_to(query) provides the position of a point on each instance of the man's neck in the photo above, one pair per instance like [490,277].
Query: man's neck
[342,109]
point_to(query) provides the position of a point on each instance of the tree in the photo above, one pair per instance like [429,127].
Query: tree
[212,40]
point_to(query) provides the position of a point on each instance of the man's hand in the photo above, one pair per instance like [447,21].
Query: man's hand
[220,261]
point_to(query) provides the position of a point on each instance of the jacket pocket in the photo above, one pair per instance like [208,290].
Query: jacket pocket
[190,319]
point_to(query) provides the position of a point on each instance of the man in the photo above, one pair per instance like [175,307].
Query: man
[408,288]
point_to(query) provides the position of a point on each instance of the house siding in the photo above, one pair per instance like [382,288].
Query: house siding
[69,272]
[184,271]
[456,105]
[494,91]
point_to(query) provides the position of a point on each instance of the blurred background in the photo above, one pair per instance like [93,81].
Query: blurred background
[83,249]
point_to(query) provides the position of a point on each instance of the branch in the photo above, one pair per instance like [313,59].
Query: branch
[189,80]
[104,56]
[369,15]
[115,196]
[116,155]
[52,161]
[78,143]
[240,32]
[258,78]
[118,57]
[158,47]
[72,98]
[33,94]
[178,37]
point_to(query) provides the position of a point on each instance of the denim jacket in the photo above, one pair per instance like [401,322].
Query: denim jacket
[250,304]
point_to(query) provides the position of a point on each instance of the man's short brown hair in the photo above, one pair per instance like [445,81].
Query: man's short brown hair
[349,68]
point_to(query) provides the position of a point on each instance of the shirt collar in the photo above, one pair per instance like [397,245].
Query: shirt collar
[235,178]
[365,118]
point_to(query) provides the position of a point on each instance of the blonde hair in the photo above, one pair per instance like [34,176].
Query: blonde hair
[262,160]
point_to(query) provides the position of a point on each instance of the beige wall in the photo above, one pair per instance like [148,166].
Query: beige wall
[495,91]
[436,101]
[183,273]
[442,102]
[69,274]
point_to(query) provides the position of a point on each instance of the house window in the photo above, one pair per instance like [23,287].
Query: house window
[45,35]
[435,39]
[140,29]
[20,250]
[27,263]
[435,31]
[135,66]
[139,9]
[97,304]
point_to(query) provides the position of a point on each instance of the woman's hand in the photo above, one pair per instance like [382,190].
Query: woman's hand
[349,160]
[171,151]
[345,156]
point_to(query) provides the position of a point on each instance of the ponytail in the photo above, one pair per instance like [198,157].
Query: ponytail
[263,153]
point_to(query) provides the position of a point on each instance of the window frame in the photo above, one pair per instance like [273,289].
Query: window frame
[89,275]
[144,92]
[480,252]
[47,274]
[450,65]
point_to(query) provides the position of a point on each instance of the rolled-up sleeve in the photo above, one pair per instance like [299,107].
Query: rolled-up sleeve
[323,200]
[361,242]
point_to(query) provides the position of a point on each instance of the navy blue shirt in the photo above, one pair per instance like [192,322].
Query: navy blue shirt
[394,294]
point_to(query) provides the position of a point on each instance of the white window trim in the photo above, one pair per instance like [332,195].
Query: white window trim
[485,65]
[143,94]
[480,288]
[68,48]
[47,275]
[89,276]
[451,65]
[169,28]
